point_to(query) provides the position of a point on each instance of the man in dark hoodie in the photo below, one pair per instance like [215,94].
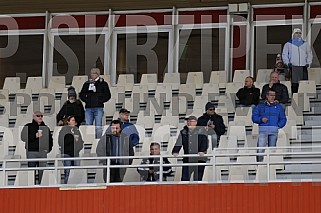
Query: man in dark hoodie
[72,107]
[248,95]
[282,94]
[39,142]
[213,122]
[95,92]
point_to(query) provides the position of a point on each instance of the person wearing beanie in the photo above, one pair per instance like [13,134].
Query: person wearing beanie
[213,122]
[95,92]
[72,107]
[297,55]
[281,68]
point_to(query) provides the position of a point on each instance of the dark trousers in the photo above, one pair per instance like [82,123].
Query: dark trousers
[116,174]
[33,154]
[298,74]
[188,170]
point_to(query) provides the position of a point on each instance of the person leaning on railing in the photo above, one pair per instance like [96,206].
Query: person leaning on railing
[152,173]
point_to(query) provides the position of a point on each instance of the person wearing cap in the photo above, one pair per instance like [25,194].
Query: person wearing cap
[127,127]
[95,92]
[38,141]
[249,95]
[72,107]
[213,122]
[194,140]
[297,55]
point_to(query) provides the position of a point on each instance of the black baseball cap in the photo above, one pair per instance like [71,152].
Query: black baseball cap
[124,111]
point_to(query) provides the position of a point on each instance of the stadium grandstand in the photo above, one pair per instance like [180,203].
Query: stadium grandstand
[163,61]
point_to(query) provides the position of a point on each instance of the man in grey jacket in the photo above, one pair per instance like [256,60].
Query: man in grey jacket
[115,143]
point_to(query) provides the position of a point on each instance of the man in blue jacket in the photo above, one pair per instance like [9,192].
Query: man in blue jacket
[297,55]
[270,116]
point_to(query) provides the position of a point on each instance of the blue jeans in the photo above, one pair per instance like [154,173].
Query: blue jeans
[95,114]
[69,163]
[268,135]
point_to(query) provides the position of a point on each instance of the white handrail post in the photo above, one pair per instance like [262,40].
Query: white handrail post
[161,169]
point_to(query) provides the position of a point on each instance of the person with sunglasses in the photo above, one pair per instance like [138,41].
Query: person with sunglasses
[39,142]
[213,122]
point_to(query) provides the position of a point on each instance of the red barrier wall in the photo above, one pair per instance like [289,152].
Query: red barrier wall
[198,198]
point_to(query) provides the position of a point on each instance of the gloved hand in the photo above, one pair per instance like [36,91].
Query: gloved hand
[290,65]
[307,65]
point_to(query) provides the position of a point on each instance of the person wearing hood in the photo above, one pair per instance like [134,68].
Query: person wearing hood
[213,122]
[249,95]
[38,141]
[297,55]
[270,116]
[282,94]
[72,107]
[95,92]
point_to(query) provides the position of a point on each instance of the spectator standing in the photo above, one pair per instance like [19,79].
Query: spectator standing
[127,127]
[282,94]
[194,140]
[95,92]
[213,122]
[297,55]
[39,142]
[270,116]
[248,95]
[115,143]
[70,142]
[72,107]
[152,173]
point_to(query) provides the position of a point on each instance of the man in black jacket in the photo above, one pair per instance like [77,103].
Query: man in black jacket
[115,143]
[213,122]
[248,95]
[282,94]
[152,173]
[39,142]
[194,141]
[95,92]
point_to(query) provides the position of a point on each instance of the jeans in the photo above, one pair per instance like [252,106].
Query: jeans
[69,163]
[268,135]
[95,114]
[188,170]
[116,175]
[34,154]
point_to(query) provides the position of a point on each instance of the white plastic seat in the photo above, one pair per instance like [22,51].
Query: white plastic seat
[261,173]
[238,131]
[126,80]
[240,75]
[12,84]
[164,91]
[263,75]
[35,84]
[173,79]
[314,74]
[150,80]
[106,78]
[219,77]
[131,174]
[308,87]
[211,91]
[78,81]
[23,119]
[195,78]
[58,83]
[4,120]
[188,89]
[25,178]
[301,102]
[87,132]
[238,173]
[77,176]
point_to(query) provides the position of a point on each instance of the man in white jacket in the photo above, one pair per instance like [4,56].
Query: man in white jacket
[297,55]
